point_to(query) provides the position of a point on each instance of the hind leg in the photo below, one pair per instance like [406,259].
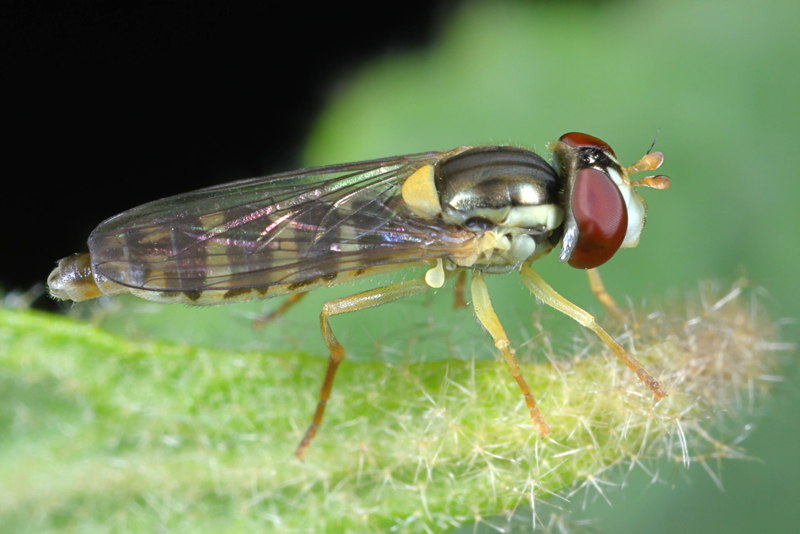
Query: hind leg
[360,301]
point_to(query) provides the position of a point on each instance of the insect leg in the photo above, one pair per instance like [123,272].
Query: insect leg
[489,320]
[458,290]
[599,290]
[290,301]
[549,296]
[360,301]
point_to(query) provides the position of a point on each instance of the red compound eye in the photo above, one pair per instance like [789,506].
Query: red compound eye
[601,217]
[581,140]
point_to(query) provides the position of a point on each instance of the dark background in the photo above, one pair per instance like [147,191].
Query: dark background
[112,104]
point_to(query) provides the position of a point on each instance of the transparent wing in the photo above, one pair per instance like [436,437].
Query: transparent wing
[289,228]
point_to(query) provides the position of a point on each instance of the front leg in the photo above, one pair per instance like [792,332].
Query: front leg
[605,298]
[549,296]
[360,301]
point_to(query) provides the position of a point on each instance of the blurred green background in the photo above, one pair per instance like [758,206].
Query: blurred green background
[715,84]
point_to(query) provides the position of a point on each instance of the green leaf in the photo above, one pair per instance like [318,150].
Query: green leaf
[102,433]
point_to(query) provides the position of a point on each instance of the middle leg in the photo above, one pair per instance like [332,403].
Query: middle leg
[482,305]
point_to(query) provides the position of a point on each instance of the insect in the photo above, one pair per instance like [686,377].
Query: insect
[478,210]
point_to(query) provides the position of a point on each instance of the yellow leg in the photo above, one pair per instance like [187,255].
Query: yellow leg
[549,296]
[488,318]
[360,301]
[599,290]
[290,301]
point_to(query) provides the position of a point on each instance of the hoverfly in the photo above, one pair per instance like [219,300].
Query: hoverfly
[484,209]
